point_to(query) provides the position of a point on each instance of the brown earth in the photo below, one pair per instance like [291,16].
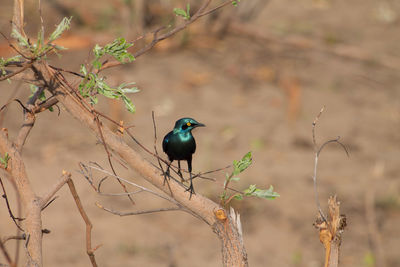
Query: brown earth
[258,88]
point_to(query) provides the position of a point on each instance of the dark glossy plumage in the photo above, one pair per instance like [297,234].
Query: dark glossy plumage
[179,144]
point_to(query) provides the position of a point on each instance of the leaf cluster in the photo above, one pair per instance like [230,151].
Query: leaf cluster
[41,48]
[252,190]
[92,84]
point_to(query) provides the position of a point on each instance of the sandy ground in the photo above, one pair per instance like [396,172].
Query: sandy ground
[253,94]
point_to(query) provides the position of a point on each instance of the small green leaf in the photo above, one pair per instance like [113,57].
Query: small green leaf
[22,41]
[188,10]
[262,193]
[238,197]
[64,25]
[250,190]
[180,12]
[235,179]
[223,196]
[3,61]
[128,104]
[83,70]
[235,3]
[241,165]
[4,161]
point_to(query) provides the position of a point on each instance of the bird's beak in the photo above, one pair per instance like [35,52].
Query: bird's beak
[199,125]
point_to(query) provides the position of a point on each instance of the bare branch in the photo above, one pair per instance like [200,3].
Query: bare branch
[29,121]
[30,202]
[316,151]
[132,183]
[6,255]
[9,208]
[216,8]
[109,159]
[313,127]
[13,237]
[119,213]
[26,66]
[89,250]
[52,191]
[157,38]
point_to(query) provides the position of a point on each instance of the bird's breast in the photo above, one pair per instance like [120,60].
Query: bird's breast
[181,146]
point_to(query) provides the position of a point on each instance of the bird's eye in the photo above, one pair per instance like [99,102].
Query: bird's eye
[188,124]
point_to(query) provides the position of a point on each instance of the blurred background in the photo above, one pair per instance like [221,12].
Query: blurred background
[256,75]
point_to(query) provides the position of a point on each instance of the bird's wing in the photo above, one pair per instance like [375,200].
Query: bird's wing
[165,143]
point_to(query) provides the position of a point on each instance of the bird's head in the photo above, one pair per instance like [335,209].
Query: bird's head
[187,124]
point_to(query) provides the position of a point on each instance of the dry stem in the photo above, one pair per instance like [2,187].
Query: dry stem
[330,232]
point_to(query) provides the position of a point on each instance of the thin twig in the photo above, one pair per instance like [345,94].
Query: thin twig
[157,38]
[13,237]
[313,127]
[89,250]
[136,212]
[29,121]
[109,159]
[216,8]
[9,208]
[158,158]
[317,152]
[14,92]
[26,66]
[6,255]
[52,191]
[134,184]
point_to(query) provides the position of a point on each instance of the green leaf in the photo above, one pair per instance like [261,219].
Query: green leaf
[180,12]
[261,193]
[5,160]
[188,10]
[235,179]
[238,196]
[241,165]
[128,104]
[39,42]
[235,3]
[59,47]
[22,41]
[250,190]
[83,70]
[223,195]
[64,25]
[3,61]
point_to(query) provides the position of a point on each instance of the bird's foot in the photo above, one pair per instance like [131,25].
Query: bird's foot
[181,175]
[191,190]
[166,176]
